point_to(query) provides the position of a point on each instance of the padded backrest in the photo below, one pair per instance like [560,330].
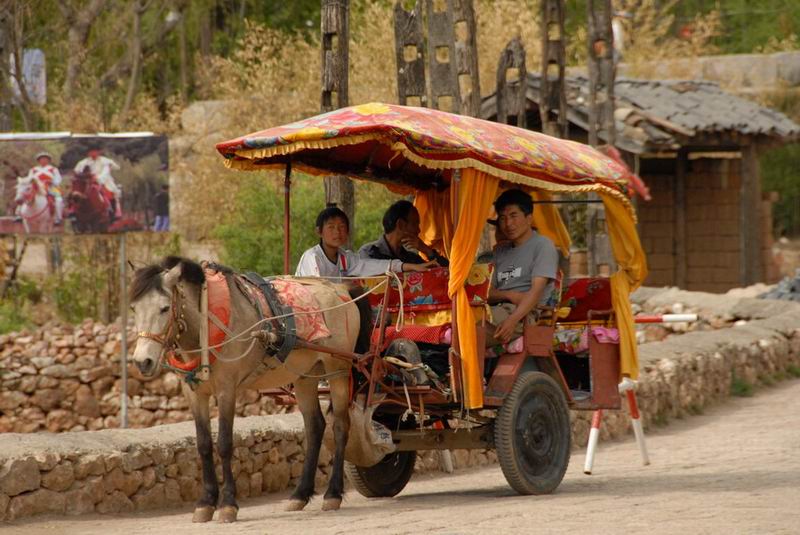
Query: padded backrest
[427,291]
[585,294]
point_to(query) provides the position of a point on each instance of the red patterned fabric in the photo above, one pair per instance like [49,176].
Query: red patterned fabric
[583,295]
[417,333]
[427,291]
[310,327]
[431,138]
[219,304]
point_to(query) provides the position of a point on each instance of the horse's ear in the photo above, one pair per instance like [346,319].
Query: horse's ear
[171,277]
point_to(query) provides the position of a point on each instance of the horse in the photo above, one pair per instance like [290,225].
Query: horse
[34,206]
[166,303]
[87,206]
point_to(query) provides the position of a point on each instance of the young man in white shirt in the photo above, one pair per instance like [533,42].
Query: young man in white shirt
[526,267]
[50,177]
[101,166]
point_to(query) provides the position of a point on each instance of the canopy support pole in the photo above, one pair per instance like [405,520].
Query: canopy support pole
[287,189]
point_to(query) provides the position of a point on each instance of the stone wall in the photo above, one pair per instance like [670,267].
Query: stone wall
[67,378]
[119,470]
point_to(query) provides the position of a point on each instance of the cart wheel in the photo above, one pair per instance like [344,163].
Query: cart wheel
[532,434]
[385,479]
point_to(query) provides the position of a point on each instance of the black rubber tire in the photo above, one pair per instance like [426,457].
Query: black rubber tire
[532,434]
[385,479]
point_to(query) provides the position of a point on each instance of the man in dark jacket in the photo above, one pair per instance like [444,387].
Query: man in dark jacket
[401,238]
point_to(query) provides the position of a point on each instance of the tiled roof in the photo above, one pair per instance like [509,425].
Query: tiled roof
[668,114]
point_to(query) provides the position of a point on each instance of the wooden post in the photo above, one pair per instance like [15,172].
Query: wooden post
[335,68]
[409,42]
[750,217]
[443,91]
[601,118]
[512,85]
[601,73]
[287,217]
[123,331]
[679,223]
[553,96]
[465,34]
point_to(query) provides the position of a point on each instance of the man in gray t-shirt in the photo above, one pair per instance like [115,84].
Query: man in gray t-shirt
[525,267]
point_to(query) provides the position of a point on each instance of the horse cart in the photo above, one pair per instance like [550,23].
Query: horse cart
[431,382]
[406,363]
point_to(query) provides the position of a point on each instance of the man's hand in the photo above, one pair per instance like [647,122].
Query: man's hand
[505,330]
[419,267]
[415,243]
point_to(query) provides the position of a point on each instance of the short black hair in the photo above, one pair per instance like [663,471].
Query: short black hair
[514,197]
[332,212]
[396,212]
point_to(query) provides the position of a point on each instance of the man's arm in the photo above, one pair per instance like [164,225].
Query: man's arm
[527,301]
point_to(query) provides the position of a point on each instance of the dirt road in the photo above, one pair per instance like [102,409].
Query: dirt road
[733,470]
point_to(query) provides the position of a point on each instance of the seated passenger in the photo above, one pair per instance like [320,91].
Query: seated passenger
[401,238]
[526,267]
[329,259]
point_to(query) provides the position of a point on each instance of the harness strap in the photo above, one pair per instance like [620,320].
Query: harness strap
[285,327]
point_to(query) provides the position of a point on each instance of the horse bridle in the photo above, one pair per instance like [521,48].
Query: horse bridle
[175,319]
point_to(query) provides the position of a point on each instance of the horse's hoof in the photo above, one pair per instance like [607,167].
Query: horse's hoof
[203,514]
[296,505]
[228,514]
[331,504]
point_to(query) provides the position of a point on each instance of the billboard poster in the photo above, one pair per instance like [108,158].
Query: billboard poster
[63,183]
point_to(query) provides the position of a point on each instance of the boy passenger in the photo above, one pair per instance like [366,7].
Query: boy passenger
[526,267]
[330,259]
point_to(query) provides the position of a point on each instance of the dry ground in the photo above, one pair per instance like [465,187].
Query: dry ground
[733,470]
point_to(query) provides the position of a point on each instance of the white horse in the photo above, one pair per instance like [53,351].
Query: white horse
[32,206]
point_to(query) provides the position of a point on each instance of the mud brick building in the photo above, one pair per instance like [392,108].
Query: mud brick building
[709,224]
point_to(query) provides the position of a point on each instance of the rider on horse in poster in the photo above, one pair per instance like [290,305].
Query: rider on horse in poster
[101,166]
[50,178]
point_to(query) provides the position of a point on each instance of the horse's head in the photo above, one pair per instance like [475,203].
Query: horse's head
[27,188]
[164,308]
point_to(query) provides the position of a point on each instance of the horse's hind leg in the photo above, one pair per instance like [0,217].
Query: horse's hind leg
[227,412]
[340,399]
[314,423]
[204,510]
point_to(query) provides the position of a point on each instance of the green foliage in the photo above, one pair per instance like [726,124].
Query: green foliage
[12,317]
[779,173]
[252,234]
[741,388]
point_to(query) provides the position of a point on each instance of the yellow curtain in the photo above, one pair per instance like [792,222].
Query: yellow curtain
[475,194]
[435,219]
[632,271]
[547,220]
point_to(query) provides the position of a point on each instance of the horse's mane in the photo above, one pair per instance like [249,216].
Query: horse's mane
[150,277]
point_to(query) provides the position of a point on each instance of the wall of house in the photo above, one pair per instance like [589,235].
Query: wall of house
[712,225]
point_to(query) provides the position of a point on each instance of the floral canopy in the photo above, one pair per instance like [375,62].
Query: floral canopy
[411,146]
[419,150]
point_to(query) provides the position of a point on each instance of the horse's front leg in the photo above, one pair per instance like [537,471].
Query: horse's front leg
[204,510]
[226,401]
[340,400]
[314,422]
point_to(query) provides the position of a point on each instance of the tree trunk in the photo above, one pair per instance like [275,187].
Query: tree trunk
[80,23]
[136,59]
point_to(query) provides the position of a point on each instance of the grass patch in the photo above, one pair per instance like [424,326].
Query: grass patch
[766,380]
[12,319]
[741,388]
[695,409]
[794,371]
